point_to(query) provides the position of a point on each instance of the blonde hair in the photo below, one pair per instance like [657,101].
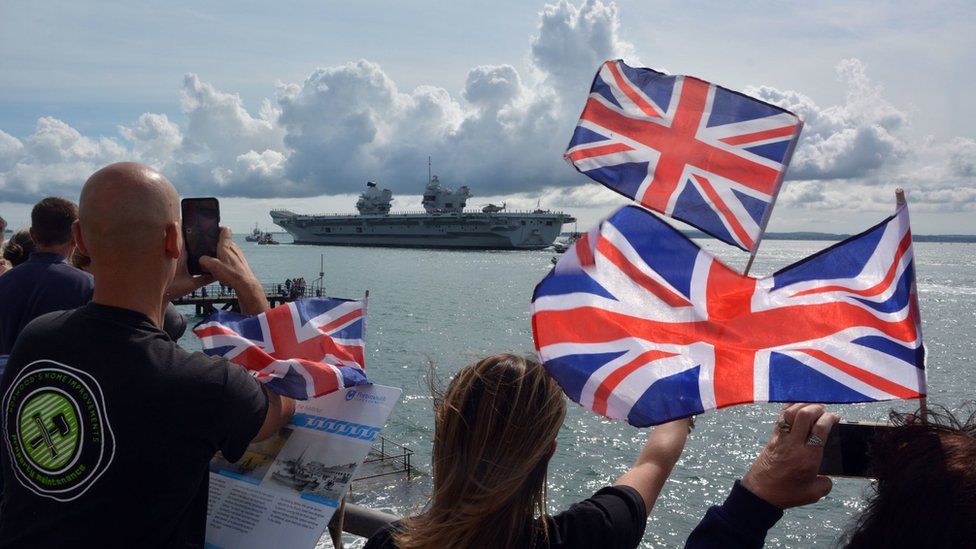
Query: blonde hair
[495,431]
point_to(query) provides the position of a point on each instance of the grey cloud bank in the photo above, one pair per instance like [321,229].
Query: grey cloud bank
[503,134]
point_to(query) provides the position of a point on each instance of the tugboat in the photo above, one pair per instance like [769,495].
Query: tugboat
[444,223]
[255,234]
[561,247]
[266,239]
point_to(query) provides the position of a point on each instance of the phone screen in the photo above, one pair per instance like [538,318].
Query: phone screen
[846,450]
[201,230]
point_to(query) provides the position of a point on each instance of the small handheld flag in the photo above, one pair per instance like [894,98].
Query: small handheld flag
[637,322]
[304,349]
[689,149]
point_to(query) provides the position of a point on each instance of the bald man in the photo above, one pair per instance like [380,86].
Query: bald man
[109,426]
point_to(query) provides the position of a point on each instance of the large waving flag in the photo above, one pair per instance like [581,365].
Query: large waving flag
[697,152]
[638,323]
[302,350]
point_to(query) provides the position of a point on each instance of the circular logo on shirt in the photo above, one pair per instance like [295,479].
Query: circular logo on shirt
[57,434]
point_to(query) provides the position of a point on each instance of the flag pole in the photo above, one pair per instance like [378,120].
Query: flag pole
[923,401]
[769,211]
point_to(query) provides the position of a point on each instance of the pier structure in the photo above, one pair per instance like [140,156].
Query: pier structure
[216,296]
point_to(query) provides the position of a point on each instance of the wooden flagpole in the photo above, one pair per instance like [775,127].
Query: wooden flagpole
[923,401]
[769,211]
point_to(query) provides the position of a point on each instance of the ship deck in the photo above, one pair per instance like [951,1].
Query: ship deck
[467,214]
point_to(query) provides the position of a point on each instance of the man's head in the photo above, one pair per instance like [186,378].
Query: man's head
[51,221]
[128,224]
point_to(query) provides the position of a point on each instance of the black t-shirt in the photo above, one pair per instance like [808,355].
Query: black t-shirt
[108,429]
[613,518]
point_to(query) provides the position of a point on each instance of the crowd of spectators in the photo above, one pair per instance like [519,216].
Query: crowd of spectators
[85,311]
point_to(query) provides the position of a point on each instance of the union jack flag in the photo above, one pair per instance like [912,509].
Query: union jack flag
[302,350]
[637,322]
[691,150]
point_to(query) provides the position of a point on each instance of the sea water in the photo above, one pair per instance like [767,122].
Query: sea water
[449,308]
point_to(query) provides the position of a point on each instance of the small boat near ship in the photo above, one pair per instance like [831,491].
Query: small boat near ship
[561,246]
[267,239]
[255,235]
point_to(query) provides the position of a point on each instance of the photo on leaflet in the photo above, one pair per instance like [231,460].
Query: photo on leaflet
[256,461]
[316,467]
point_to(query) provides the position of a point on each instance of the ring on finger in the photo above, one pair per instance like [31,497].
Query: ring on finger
[783,426]
[814,440]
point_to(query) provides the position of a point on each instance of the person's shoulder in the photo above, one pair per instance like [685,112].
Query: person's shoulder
[620,497]
[41,334]
[190,363]
[14,275]
[70,271]
[616,516]
[47,323]
[206,373]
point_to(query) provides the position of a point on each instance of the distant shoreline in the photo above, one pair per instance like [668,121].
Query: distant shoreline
[831,237]
[941,238]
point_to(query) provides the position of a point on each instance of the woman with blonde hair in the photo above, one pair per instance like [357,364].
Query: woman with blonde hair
[494,433]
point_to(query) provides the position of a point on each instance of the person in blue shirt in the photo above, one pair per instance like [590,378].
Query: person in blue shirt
[45,282]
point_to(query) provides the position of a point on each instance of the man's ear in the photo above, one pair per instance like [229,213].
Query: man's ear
[79,241]
[172,240]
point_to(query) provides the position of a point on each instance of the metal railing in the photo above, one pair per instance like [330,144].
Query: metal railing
[218,291]
[390,457]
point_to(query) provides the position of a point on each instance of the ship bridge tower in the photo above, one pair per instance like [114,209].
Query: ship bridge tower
[374,201]
[439,199]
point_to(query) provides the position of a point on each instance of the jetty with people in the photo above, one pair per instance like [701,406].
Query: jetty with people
[219,297]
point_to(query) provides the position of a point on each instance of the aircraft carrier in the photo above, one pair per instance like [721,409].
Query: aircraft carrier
[443,224]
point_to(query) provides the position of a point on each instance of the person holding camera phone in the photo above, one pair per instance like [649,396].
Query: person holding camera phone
[784,475]
[924,494]
[109,425]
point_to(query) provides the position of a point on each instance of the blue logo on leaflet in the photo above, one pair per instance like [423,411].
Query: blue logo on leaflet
[336,426]
[368,398]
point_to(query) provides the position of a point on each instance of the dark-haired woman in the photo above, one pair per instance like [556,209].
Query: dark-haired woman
[18,248]
[494,433]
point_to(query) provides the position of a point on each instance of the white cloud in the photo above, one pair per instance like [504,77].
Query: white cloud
[54,160]
[573,41]
[842,141]
[11,150]
[154,138]
[219,128]
[503,134]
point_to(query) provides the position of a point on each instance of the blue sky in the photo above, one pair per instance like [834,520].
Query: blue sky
[95,66]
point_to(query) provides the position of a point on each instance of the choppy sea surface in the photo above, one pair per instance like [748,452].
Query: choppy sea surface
[453,307]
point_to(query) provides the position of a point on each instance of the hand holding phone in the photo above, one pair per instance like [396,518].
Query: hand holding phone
[201,230]
[846,451]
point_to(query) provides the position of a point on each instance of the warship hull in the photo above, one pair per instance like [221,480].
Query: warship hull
[460,230]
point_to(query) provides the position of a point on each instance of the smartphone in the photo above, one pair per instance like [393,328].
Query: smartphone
[201,230]
[846,450]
